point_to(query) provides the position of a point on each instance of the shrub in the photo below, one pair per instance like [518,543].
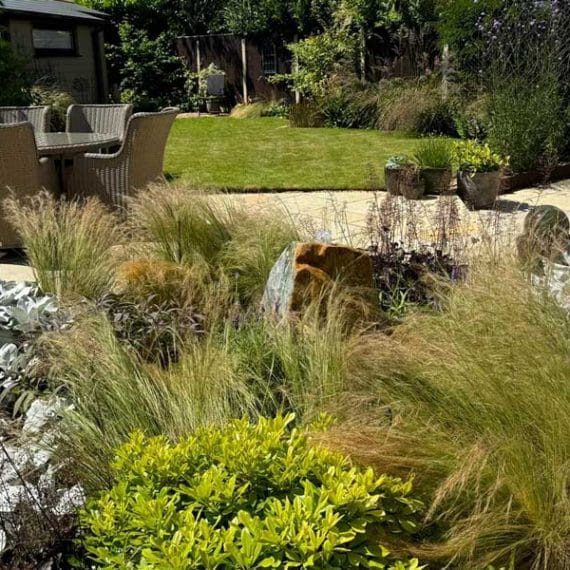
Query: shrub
[472,118]
[318,57]
[14,83]
[156,330]
[526,119]
[246,496]
[70,245]
[151,75]
[480,402]
[440,119]
[348,102]
[471,156]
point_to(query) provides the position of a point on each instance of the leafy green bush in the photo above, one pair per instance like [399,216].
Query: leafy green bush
[471,156]
[527,121]
[14,85]
[151,75]
[318,56]
[246,496]
[472,118]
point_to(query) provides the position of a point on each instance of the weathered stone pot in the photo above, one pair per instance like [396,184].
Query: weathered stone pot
[392,178]
[437,180]
[412,188]
[480,190]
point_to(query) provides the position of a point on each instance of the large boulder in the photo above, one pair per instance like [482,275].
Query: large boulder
[305,270]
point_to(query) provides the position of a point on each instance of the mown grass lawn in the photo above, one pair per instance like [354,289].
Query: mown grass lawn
[266,154]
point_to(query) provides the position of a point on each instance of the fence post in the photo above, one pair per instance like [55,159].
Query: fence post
[296,70]
[244,69]
[445,73]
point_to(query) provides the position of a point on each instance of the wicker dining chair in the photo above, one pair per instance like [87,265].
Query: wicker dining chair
[21,172]
[39,116]
[105,119]
[137,164]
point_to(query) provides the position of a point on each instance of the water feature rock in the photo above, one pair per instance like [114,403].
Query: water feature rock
[303,270]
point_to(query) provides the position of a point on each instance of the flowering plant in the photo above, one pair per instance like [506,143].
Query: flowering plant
[471,156]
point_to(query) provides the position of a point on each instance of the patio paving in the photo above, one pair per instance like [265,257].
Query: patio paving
[343,215]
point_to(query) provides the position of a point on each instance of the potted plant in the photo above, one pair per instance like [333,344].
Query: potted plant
[434,156]
[411,182]
[479,173]
[393,170]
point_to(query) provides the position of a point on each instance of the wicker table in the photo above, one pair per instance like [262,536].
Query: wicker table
[63,147]
[70,144]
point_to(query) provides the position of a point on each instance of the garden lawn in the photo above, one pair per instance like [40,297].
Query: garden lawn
[266,154]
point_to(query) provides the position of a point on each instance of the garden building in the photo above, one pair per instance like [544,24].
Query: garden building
[61,42]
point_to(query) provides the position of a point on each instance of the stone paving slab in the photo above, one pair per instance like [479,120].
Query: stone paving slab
[344,214]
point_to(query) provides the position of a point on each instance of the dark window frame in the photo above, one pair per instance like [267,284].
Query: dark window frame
[269,52]
[56,52]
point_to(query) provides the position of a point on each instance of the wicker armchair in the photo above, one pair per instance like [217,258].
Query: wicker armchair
[22,172]
[106,119]
[138,163]
[40,117]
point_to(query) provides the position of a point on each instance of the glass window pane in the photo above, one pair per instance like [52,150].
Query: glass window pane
[53,39]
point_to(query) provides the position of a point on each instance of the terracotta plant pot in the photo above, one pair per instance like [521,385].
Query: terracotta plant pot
[437,180]
[480,190]
[392,178]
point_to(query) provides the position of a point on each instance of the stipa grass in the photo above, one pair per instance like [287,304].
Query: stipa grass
[72,247]
[188,228]
[480,405]
[113,392]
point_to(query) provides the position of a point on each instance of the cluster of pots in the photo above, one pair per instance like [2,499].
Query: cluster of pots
[478,190]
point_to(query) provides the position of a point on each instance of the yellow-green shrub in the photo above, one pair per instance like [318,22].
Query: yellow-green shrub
[246,496]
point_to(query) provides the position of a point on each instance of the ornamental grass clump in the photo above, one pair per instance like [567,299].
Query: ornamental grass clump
[479,402]
[246,496]
[114,391]
[72,246]
[214,236]
[434,152]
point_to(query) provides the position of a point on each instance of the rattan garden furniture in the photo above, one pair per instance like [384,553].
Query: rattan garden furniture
[105,119]
[68,145]
[137,164]
[39,117]
[21,171]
